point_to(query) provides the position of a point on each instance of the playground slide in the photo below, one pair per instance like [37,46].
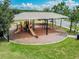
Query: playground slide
[32,32]
[17,31]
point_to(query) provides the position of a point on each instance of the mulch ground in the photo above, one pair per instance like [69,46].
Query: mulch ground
[38,31]
[54,35]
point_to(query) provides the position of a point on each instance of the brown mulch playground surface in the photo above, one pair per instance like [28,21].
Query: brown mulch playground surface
[54,35]
[38,32]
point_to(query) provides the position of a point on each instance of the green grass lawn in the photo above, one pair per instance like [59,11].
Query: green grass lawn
[68,49]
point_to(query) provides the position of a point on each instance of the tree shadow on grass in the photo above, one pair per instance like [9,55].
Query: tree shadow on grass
[3,40]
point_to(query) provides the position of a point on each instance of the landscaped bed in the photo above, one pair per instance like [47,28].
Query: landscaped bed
[68,49]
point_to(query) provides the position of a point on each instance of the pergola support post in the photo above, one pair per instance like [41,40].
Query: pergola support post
[33,24]
[43,26]
[55,22]
[60,22]
[46,26]
[52,23]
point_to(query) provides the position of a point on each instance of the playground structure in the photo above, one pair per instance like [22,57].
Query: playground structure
[35,24]
[27,37]
[27,27]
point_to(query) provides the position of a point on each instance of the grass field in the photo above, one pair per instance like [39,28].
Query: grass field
[68,49]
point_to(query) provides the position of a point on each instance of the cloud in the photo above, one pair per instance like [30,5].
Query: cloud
[27,5]
[48,4]
[71,3]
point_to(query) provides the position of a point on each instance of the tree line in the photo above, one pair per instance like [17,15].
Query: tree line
[63,9]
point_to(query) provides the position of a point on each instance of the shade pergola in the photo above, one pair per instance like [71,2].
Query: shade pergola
[38,15]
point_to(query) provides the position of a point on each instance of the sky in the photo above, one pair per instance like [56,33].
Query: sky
[40,4]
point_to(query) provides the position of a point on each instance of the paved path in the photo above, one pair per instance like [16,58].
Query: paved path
[72,36]
[65,24]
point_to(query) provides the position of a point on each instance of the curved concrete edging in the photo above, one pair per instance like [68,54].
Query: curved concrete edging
[40,43]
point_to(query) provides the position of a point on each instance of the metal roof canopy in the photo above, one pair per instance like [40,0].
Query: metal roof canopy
[38,15]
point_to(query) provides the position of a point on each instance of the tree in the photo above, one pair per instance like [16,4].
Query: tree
[76,11]
[74,18]
[46,9]
[61,8]
[54,9]
[6,17]
[73,15]
[71,18]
